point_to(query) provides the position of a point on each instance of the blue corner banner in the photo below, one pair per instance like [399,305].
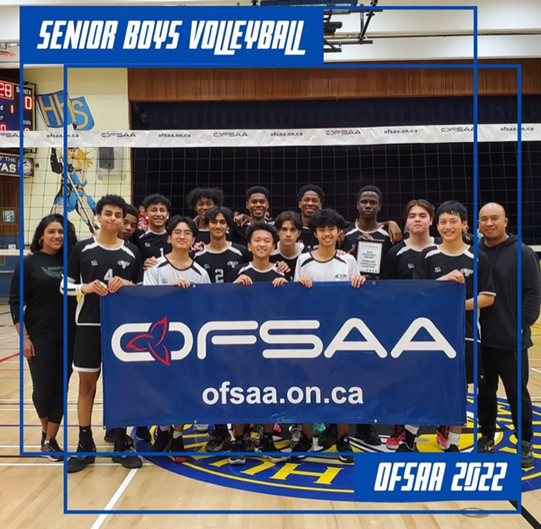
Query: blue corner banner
[332,353]
[177,36]
[437,477]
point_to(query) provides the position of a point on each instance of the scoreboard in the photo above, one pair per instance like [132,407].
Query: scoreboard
[10,106]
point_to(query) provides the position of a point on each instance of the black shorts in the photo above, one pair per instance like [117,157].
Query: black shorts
[87,353]
[469,361]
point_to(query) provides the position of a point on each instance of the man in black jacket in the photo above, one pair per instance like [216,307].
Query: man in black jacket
[499,328]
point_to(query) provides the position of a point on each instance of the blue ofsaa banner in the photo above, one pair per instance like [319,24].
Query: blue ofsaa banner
[157,36]
[391,352]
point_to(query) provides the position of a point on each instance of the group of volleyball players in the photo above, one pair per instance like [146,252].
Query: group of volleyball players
[150,246]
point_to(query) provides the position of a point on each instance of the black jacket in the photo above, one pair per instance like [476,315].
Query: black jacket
[499,321]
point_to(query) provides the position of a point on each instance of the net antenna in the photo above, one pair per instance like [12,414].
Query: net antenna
[333,40]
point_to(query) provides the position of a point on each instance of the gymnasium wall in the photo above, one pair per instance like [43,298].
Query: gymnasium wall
[106,94]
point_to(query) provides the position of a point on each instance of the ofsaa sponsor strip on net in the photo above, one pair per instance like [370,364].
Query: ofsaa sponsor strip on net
[273,137]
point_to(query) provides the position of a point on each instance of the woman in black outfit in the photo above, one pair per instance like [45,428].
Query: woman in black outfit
[42,328]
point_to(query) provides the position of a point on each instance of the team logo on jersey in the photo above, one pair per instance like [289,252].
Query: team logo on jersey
[147,245]
[206,266]
[466,272]
[341,277]
[123,264]
[94,263]
[325,478]
[232,264]
[437,269]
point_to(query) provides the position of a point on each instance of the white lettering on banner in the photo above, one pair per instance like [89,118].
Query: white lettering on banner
[76,35]
[225,37]
[418,477]
[338,343]
[146,34]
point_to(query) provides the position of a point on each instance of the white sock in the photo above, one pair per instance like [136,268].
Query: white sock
[412,429]
[454,438]
[165,428]
[176,434]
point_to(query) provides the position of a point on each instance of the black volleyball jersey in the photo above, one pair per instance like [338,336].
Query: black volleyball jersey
[276,256]
[152,244]
[89,261]
[257,276]
[434,263]
[401,260]
[220,264]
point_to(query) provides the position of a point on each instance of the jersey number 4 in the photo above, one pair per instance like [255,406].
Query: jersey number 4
[109,275]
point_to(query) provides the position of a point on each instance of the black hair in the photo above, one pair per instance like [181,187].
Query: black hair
[214,194]
[454,208]
[214,211]
[176,220]
[150,200]
[326,218]
[257,189]
[111,200]
[422,203]
[292,216]
[40,230]
[261,225]
[311,187]
[131,210]
[370,189]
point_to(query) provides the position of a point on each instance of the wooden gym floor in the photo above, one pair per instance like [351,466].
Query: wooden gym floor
[31,493]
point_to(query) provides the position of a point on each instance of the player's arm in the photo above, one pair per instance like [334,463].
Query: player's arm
[357,280]
[14,306]
[304,279]
[531,287]
[394,231]
[485,284]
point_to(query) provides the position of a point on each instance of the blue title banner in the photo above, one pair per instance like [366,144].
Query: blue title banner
[437,477]
[391,352]
[176,36]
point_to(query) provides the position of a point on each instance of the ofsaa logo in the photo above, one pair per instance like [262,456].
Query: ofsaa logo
[147,342]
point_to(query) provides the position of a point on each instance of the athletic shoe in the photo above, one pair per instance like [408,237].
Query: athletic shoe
[367,434]
[110,437]
[485,445]
[267,445]
[201,428]
[295,430]
[442,437]
[452,448]
[342,445]
[142,434]
[177,445]
[127,461]
[162,440]
[248,442]
[394,440]
[404,447]
[317,429]
[48,449]
[237,459]
[328,437]
[526,455]
[220,440]
[304,445]
[43,437]
[78,463]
